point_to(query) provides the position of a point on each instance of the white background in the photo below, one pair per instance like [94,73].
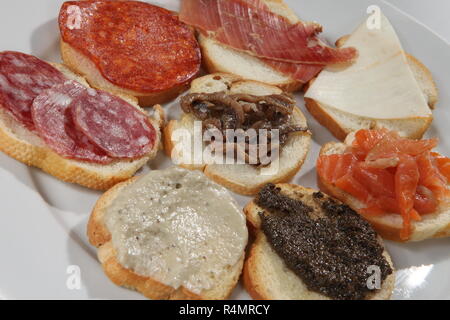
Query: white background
[433,13]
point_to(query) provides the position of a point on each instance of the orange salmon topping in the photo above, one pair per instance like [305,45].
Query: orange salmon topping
[390,174]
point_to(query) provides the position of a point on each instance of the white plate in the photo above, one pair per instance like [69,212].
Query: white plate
[43,220]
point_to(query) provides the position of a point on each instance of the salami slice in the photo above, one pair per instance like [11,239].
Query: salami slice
[22,79]
[54,124]
[134,45]
[113,125]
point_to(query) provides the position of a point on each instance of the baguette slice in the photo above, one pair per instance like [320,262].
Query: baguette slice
[80,64]
[241,178]
[265,275]
[340,123]
[100,237]
[27,147]
[435,225]
[220,58]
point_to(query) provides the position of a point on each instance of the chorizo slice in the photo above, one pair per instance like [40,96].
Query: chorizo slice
[134,45]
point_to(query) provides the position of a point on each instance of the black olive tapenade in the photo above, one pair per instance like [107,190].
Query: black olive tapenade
[331,251]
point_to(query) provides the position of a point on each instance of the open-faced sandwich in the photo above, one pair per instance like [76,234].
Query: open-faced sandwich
[171,234]
[261,40]
[254,131]
[311,246]
[383,88]
[129,47]
[51,119]
[399,185]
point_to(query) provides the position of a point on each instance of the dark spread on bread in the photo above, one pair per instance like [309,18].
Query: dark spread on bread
[222,111]
[327,244]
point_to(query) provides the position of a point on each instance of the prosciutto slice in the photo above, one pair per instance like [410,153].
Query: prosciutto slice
[248,25]
[300,72]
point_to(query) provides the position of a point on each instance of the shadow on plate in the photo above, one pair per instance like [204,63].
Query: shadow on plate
[427,252]
[45,41]
[17,169]
[62,195]
[307,179]
[320,134]
[83,255]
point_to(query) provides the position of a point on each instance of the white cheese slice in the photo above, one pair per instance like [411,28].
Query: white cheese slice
[379,85]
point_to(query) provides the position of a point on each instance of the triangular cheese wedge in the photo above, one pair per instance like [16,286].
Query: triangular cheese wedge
[379,85]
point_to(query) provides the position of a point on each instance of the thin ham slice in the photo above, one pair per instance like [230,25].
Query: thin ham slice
[248,25]
[297,71]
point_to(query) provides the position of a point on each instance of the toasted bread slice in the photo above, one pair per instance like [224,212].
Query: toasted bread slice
[25,146]
[425,80]
[100,237]
[340,123]
[241,178]
[220,58]
[435,225]
[80,64]
[266,277]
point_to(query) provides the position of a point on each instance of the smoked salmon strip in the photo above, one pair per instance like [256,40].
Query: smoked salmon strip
[390,174]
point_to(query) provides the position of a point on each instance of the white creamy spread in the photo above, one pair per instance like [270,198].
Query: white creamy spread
[177,227]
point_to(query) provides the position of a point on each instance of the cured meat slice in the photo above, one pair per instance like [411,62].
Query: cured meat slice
[300,72]
[431,177]
[23,78]
[352,186]
[366,140]
[443,163]
[379,182]
[113,125]
[425,201]
[391,145]
[248,25]
[134,45]
[406,181]
[390,174]
[54,124]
